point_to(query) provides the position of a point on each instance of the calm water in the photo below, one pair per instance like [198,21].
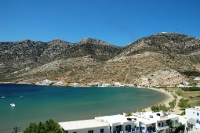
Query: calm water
[40,103]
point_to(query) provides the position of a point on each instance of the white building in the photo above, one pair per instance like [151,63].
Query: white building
[58,83]
[85,126]
[155,122]
[105,85]
[119,123]
[198,85]
[116,84]
[77,85]
[147,122]
[129,85]
[45,82]
[193,118]
[197,78]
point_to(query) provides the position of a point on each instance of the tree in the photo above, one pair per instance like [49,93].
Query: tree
[181,128]
[32,128]
[183,103]
[158,108]
[163,107]
[169,123]
[155,108]
[50,126]
[172,104]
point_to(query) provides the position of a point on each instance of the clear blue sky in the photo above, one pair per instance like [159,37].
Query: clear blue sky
[118,22]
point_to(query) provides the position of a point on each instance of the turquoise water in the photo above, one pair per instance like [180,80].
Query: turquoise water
[40,103]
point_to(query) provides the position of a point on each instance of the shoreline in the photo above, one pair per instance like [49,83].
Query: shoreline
[168,98]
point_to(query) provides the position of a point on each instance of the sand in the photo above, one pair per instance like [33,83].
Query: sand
[168,98]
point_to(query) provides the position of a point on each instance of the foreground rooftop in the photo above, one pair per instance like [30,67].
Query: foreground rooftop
[82,124]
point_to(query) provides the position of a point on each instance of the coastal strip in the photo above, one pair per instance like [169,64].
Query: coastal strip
[167,98]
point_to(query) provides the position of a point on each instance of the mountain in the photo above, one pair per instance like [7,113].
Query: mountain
[160,59]
[20,57]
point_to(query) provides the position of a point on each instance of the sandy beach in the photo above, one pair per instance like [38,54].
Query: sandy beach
[168,98]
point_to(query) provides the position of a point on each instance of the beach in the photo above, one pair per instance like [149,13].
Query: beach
[168,98]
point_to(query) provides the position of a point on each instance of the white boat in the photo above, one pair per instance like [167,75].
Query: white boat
[12,105]
[21,97]
[3,97]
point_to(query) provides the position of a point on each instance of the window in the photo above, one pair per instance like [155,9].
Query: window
[90,131]
[197,114]
[150,116]
[128,127]
[159,124]
[142,128]
[74,132]
[101,130]
[176,121]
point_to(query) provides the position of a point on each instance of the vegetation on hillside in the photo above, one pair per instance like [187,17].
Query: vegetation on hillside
[191,89]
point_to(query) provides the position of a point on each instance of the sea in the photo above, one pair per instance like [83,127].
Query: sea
[40,103]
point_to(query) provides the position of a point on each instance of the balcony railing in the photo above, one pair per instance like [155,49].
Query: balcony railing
[133,130]
[163,127]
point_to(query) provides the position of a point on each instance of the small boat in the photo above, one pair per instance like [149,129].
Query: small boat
[21,97]
[3,97]
[12,105]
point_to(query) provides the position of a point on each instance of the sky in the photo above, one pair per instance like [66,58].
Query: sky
[118,22]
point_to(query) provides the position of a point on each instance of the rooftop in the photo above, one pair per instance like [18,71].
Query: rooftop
[82,124]
[150,117]
[113,118]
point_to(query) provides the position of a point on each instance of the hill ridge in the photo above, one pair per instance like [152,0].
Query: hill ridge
[93,60]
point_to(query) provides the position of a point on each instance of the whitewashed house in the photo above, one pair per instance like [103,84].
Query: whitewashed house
[198,85]
[45,82]
[85,126]
[129,85]
[116,84]
[77,85]
[149,122]
[197,78]
[119,123]
[193,118]
[105,85]
[58,83]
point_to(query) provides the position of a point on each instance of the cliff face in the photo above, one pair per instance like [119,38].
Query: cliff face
[160,59]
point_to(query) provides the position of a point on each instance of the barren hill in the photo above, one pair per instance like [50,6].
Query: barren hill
[160,59]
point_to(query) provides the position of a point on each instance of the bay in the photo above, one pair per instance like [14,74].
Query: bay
[40,103]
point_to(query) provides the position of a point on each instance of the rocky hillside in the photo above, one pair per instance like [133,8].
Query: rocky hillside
[23,56]
[160,59]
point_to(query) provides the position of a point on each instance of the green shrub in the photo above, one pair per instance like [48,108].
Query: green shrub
[183,103]
[179,93]
[172,104]
[158,108]
[50,126]
[191,89]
